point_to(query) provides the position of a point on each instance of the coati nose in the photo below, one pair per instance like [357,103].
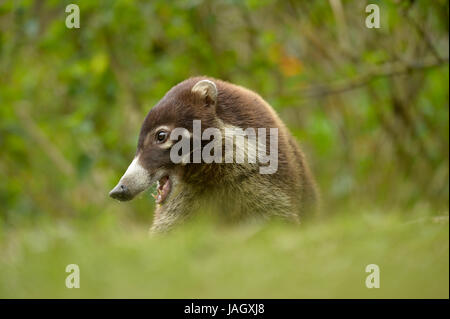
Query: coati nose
[121,192]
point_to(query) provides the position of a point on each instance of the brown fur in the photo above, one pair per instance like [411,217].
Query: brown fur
[233,191]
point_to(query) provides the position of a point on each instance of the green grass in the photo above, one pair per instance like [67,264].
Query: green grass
[324,259]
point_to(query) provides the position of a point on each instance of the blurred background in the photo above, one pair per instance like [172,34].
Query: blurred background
[370,107]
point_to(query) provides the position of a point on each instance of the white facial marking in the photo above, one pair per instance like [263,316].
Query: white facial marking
[136,177]
[162,127]
[167,144]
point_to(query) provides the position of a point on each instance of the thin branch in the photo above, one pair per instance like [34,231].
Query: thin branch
[389,70]
[423,34]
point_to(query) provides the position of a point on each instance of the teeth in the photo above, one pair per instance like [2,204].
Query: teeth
[160,184]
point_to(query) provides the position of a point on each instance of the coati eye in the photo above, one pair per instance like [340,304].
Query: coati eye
[161,136]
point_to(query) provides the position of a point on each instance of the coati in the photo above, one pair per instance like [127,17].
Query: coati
[234,191]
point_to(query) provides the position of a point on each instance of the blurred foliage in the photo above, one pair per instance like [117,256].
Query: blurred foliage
[251,261]
[370,107]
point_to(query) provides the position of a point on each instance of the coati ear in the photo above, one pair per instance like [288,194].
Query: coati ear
[207,90]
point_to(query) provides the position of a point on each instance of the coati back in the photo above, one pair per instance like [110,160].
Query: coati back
[233,189]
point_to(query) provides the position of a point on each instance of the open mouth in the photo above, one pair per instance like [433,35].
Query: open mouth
[162,190]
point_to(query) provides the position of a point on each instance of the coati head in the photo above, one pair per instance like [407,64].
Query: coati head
[190,100]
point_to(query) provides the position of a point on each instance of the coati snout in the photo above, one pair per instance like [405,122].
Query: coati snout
[234,189]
